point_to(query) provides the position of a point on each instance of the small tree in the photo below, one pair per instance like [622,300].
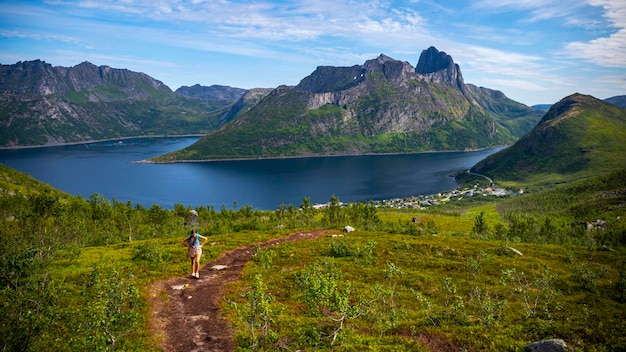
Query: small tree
[258,312]
[386,311]
[112,308]
[333,214]
[329,295]
[307,211]
[480,229]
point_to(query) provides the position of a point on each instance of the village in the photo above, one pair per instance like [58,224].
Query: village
[426,201]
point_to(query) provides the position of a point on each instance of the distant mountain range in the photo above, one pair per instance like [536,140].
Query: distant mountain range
[542,107]
[45,105]
[619,100]
[381,106]
[212,93]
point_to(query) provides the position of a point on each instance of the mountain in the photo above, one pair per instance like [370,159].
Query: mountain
[619,100]
[542,107]
[39,78]
[579,136]
[214,93]
[247,101]
[232,101]
[45,105]
[381,106]
[224,101]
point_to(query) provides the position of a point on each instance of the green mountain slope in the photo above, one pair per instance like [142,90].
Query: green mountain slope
[578,137]
[382,106]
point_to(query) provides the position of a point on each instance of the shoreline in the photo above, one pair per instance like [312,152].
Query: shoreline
[91,141]
[147,161]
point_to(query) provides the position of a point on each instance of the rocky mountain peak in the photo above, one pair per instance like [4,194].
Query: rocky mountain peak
[30,77]
[382,58]
[40,78]
[432,60]
[332,79]
[84,76]
[438,67]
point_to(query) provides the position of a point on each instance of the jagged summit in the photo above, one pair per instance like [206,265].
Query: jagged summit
[384,58]
[438,67]
[432,60]
[40,78]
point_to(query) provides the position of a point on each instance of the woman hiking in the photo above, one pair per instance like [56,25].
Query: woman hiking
[195,251]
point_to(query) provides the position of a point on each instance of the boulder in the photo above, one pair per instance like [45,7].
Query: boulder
[348,229]
[551,345]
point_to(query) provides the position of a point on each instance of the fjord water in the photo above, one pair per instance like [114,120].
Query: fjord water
[108,168]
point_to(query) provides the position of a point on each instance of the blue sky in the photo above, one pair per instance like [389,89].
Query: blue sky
[535,51]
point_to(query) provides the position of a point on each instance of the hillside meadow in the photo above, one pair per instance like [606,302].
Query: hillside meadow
[75,272]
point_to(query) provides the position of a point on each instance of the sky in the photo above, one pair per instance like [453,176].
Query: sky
[534,51]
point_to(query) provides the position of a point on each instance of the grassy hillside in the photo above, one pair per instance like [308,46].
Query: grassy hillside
[75,271]
[578,137]
[425,293]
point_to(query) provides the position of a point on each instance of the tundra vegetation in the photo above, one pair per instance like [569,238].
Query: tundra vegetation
[488,275]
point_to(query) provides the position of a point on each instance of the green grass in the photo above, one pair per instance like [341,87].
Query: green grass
[139,263]
[448,292]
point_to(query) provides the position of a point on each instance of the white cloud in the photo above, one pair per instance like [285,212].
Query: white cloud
[494,61]
[609,51]
[571,11]
[517,84]
[605,51]
[614,10]
[35,35]
[273,21]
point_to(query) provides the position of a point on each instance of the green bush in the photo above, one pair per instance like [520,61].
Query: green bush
[152,253]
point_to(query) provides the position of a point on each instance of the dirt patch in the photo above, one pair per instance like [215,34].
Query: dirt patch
[185,312]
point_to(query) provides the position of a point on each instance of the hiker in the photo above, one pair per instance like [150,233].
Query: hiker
[195,251]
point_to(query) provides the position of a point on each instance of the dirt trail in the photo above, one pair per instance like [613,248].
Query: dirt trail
[189,319]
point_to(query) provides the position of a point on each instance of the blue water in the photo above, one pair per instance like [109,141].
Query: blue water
[107,168]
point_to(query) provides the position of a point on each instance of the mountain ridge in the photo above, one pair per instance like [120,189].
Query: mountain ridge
[43,105]
[578,135]
[382,106]
[40,78]
[214,92]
